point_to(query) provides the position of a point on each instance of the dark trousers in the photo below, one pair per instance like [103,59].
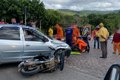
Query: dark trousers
[104,49]
[96,42]
[87,41]
[69,40]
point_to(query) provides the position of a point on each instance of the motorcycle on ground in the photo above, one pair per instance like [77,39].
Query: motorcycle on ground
[42,63]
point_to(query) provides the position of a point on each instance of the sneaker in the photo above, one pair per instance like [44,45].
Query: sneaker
[114,52]
[103,57]
[83,51]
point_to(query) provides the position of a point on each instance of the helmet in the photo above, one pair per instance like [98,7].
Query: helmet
[101,25]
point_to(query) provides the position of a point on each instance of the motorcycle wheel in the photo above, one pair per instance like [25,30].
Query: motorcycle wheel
[61,64]
[28,71]
[59,57]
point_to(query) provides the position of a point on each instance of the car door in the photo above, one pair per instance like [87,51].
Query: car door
[11,45]
[34,44]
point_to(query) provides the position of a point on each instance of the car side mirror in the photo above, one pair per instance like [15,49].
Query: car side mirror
[113,73]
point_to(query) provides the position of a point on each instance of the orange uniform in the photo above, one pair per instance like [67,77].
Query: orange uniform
[116,42]
[116,46]
[59,35]
[75,34]
[94,33]
[76,31]
[81,44]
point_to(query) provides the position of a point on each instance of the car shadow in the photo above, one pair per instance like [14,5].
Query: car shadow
[8,65]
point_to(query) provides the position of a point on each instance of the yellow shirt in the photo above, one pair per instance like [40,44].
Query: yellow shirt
[50,32]
[103,34]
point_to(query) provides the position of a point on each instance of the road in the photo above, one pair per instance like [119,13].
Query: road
[86,66]
[10,73]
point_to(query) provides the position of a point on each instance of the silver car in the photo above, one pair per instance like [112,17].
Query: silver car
[18,43]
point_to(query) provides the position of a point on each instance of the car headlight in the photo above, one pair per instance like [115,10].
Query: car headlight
[64,45]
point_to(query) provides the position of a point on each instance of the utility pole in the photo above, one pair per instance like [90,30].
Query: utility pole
[40,24]
[25,14]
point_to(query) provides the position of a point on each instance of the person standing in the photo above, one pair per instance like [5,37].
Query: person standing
[21,22]
[30,23]
[75,33]
[13,21]
[116,41]
[85,34]
[50,32]
[68,34]
[96,38]
[59,35]
[2,21]
[103,35]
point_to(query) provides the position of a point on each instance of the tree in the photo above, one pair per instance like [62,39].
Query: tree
[15,8]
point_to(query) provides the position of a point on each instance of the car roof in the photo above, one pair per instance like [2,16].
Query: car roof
[15,25]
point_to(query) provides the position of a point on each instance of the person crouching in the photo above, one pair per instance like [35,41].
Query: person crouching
[80,44]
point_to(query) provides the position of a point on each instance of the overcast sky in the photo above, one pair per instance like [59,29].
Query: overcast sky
[83,4]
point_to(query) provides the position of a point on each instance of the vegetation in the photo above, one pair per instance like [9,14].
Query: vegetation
[36,11]
[16,8]
[110,19]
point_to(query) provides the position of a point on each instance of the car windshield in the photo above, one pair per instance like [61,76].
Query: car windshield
[47,36]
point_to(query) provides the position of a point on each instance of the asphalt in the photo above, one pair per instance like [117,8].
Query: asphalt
[86,66]
[9,72]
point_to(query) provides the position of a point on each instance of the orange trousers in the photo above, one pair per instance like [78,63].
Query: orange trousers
[81,44]
[116,46]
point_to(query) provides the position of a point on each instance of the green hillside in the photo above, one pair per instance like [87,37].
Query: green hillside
[84,12]
[67,11]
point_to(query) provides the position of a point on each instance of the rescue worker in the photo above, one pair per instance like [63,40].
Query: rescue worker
[81,44]
[50,31]
[59,35]
[75,33]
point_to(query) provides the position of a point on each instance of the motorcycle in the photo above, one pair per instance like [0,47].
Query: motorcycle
[42,63]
